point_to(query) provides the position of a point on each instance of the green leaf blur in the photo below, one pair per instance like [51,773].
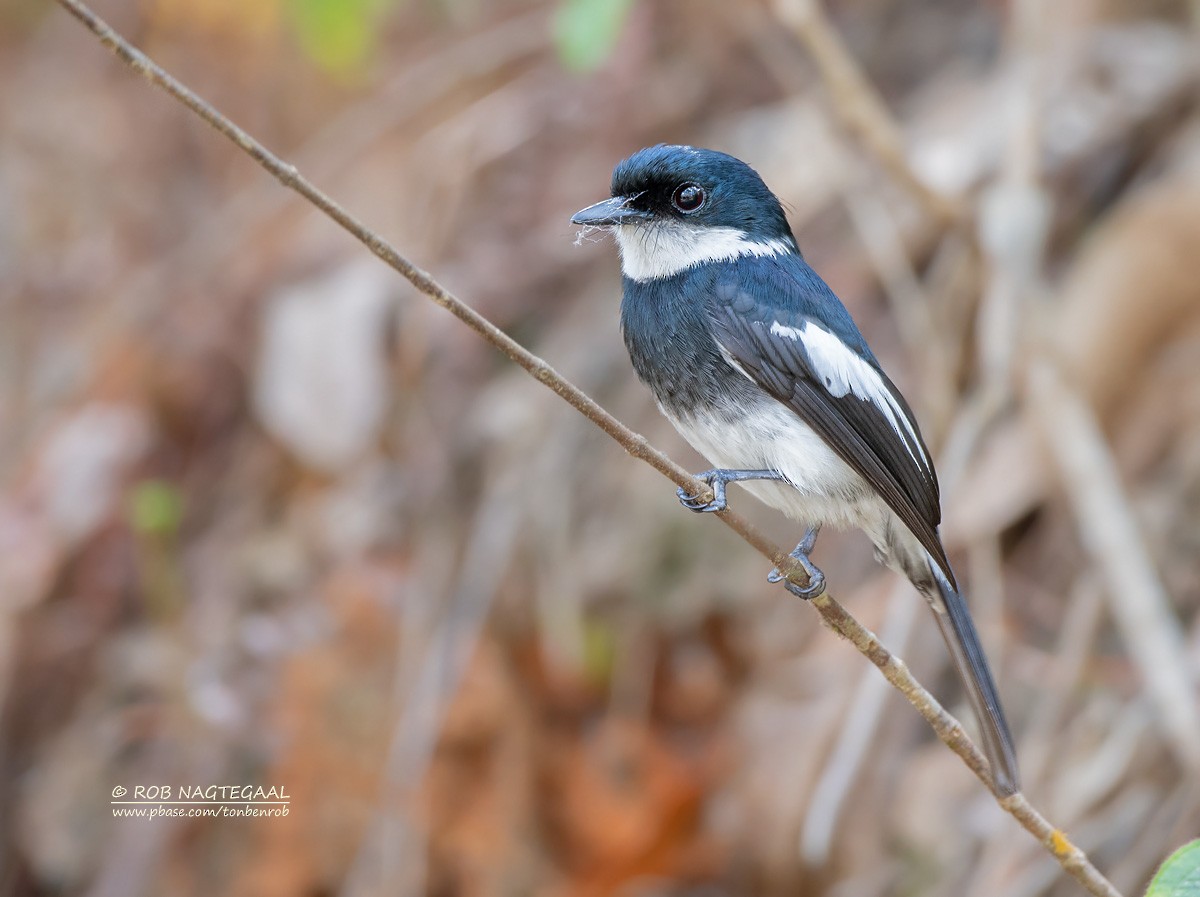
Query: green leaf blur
[155,508]
[585,31]
[338,35]
[1179,875]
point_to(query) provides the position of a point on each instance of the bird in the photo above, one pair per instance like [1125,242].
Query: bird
[760,367]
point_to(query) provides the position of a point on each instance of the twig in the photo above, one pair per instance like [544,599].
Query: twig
[950,731]
[836,617]
[855,739]
[858,105]
[1137,599]
[332,148]
[909,301]
[1014,216]
[1072,650]
[445,661]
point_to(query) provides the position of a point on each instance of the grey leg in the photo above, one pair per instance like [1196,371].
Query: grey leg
[717,478]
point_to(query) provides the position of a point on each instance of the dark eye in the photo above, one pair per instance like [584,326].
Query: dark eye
[688,197]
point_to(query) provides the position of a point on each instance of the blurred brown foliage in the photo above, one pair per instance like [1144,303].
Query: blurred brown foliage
[267,517]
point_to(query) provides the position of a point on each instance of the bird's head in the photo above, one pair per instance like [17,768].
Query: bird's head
[674,207]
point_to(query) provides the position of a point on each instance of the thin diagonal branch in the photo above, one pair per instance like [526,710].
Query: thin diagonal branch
[836,617]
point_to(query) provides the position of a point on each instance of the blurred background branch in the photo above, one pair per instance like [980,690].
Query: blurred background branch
[856,102]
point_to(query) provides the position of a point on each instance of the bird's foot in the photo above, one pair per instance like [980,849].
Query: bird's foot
[816,579]
[716,479]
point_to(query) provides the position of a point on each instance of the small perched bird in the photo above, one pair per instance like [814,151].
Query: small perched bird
[758,364]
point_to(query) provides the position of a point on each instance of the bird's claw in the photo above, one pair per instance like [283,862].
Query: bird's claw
[816,579]
[693,502]
[816,583]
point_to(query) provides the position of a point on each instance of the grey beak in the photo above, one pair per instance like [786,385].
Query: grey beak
[608,213]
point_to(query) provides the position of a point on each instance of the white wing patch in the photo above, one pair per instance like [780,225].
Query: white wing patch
[844,372]
[733,362]
[664,248]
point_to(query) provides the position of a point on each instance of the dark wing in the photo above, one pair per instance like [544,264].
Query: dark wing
[843,395]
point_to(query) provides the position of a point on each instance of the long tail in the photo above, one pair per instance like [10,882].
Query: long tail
[959,632]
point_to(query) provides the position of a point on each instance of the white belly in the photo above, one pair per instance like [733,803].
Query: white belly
[820,488]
